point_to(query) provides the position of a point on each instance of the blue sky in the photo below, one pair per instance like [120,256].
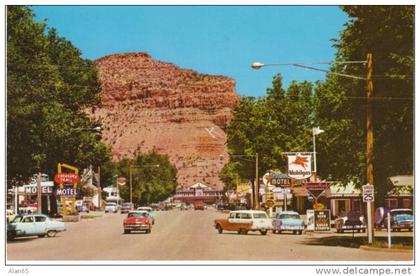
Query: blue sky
[214,40]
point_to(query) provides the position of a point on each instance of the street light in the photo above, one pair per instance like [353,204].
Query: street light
[131,176]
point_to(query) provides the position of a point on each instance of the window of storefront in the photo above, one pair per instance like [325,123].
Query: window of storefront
[391,203]
[356,205]
[406,203]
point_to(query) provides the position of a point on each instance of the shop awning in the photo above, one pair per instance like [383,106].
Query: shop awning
[402,180]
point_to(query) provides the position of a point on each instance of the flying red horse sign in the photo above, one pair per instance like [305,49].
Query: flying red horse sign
[299,166]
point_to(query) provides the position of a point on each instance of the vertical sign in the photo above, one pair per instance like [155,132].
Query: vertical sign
[322,220]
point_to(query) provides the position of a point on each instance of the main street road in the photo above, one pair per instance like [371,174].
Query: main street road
[185,235]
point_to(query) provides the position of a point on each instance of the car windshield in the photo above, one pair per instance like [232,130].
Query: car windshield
[137,215]
[289,216]
[17,219]
[401,212]
[403,217]
[111,204]
[260,215]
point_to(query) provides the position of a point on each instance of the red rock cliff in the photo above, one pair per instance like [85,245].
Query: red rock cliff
[150,104]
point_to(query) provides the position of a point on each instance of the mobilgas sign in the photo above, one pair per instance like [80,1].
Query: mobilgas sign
[299,166]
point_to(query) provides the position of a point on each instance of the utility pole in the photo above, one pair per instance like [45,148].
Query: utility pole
[369,144]
[38,193]
[257,184]
[131,184]
[99,188]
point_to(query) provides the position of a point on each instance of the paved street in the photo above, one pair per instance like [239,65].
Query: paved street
[186,235]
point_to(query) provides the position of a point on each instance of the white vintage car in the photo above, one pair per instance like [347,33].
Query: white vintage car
[33,225]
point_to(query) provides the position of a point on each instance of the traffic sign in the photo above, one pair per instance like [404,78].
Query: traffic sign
[368,193]
[121,181]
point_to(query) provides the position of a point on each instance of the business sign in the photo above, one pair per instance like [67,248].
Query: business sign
[121,181]
[70,178]
[368,193]
[316,188]
[322,220]
[281,180]
[299,166]
[269,203]
[67,192]
[32,190]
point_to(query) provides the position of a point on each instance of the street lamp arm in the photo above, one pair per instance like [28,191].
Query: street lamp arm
[329,72]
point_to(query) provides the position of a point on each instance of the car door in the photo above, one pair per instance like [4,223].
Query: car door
[27,226]
[231,225]
[40,225]
[246,218]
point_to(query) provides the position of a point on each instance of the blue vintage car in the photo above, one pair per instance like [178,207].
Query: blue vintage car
[33,225]
[288,221]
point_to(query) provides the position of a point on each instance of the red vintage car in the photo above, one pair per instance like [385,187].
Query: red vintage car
[137,221]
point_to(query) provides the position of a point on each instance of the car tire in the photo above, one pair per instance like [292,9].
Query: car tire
[51,233]
[274,231]
[263,232]
[242,232]
[10,236]
[148,231]
[219,229]
[300,232]
[127,231]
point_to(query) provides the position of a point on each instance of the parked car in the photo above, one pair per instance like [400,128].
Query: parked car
[33,225]
[149,210]
[288,221]
[111,207]
[137,221]
[400,219]
[127,207]
[244,221]
[354,221]
[198,205]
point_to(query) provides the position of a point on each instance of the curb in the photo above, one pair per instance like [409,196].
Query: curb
[398,250]
[312,233]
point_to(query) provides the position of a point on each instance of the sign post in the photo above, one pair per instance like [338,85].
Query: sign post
[388,216]
[368,195]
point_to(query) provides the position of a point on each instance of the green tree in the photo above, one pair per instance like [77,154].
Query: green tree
[49,86]
[154,178]
[387,33]
[279,122]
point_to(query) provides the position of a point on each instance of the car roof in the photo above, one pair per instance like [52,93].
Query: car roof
[249,211]
[287,212]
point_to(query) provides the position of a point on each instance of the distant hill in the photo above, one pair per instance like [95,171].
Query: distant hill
[150,104]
